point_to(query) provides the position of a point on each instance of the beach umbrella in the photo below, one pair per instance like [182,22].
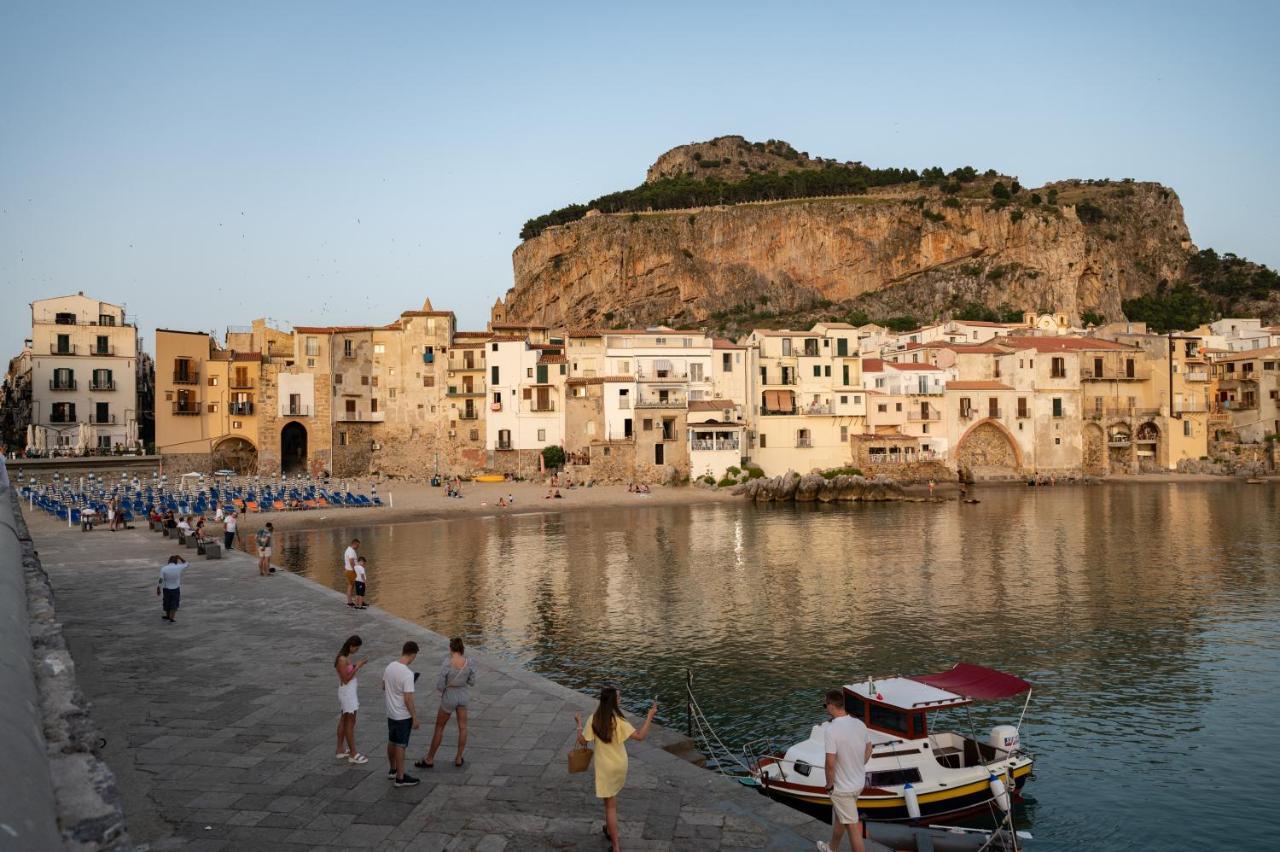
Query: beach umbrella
[31,436]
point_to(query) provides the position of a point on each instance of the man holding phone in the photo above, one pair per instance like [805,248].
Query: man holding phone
[402,715]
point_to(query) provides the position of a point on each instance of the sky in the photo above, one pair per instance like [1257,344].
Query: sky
[337,163]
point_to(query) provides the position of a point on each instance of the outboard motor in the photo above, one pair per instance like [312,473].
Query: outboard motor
[1005,738]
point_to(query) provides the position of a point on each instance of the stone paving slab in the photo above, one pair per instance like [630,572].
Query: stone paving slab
[221,727]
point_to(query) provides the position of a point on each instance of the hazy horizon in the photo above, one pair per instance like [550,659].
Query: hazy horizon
[318,164]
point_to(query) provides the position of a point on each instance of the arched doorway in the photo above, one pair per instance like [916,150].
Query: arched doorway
[1147,446]
[293,448]
[987,451]
[236,454]
[1120,448]
[1095,450]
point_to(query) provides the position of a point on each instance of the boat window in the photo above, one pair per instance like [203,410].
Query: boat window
[894,777]
[803,768]
[854,707]
[887,719]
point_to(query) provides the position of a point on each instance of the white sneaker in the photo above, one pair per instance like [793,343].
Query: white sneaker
[357,759]
[823,846]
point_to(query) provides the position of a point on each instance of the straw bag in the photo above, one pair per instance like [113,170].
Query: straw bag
[579,759]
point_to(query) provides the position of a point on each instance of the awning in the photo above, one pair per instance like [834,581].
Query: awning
[779,400]
[975,682]
[663,364]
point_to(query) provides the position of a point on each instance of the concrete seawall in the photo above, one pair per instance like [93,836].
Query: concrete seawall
[55,792]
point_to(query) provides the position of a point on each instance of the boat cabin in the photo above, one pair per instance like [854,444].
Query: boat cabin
[899,706]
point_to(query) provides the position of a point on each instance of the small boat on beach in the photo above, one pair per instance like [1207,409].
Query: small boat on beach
[915,774]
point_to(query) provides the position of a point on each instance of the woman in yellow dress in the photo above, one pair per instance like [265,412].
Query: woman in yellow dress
[610,730]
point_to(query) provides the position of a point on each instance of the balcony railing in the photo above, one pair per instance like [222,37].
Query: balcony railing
[186,377]
[62,349]
[103,420]
[469,414]
[804,443]
[1190,407]
[1247,404]
[504,445]
[996,413]
[712,446]
[355,416]
[675,400]
[55,417]
[1120,412]
[544,409]
[1197,375]
[464,366]
[930,415]
[108,385]
[781,380]
[816,408]
[102,350]
[1088,374]
[62,384]
[241,409]
[240,384]
[301,410]
[476,389]
[661,376]
[190,409]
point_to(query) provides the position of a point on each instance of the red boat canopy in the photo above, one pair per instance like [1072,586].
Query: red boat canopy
[975,682]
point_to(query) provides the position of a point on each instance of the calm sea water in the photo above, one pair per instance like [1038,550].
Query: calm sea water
[1147,616]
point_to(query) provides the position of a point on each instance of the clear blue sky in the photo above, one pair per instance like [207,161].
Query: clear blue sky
[335,163]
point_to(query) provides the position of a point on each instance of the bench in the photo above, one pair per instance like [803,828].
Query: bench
[212,550]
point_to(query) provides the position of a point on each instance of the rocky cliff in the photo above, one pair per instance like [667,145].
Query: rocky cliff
[922,248]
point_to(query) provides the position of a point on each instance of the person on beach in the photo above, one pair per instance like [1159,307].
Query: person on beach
[265,538]
[610,730]
[348,699]
[349,557]
[361,579]
[229,531]
[169,587]
[848,748]
[456,675]
[402,715]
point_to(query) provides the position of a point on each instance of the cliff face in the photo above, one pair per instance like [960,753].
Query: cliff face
[912,252]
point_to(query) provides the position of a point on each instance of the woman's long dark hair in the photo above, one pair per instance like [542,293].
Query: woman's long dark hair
[602,723]
[348,646]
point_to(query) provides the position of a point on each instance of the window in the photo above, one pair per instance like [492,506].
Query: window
[342,439]
[497,398]
[542,434]
[726,362]
[64,319]
[351,406]
[826,371]
[528,373]
[844,400]
[64,344]
[1022,406]
[882,407]
[1186,428]
[966,407]
[379,348]
[364,380]
[348,347]
[493,371]
[857,399]
[1057,406]
[695,372]
[313,346]
[102,346]
[764,440]
[391,393]
[495,349]
[475,434]
[897,406]
[844,434]
[106,319]
[373,404]
[993,407]
[428,381]
[1058,368]
[504,438]
[786,346]
[337,378]
[375,381]
[646,424]
[817,371]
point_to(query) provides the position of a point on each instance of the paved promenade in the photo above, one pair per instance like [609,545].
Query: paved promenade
[220,727]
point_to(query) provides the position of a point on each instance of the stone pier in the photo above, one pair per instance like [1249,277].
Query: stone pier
[221,728]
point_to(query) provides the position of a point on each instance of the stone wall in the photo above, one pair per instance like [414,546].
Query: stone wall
[911,473]
[355,458]
[176,464]
[524,463]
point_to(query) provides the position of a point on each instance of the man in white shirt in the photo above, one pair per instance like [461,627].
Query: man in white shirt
[169,587]
[402,716]
[848,748]
[349,558]
[229,531]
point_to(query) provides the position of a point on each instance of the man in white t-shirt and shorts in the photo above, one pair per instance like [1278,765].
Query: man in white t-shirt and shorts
[848,748]
[349,559]
[402,715]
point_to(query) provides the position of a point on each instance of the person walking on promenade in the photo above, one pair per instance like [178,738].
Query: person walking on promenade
[610,730]
[229,531]
[265,538]
[402,715]
[361,579]
[456,675]
[848,748]
[348,699]
[169,587]
[349,558]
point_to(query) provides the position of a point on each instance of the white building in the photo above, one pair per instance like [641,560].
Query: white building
[84,375]
[526,394]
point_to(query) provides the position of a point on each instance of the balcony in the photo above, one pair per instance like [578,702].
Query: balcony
[931,415]
[469,414]
[57,417]
[1120,412]
[804,443]
[62,349]
[544,409]
[713,446]
[464,367]
[102,350]
[1196,376]
[476,389]
[1190,407]
[103,420]
[108,385]
[186,377]
[241,409]
[674,400]
[188,409]
[62,384]
[1108,375]
[301,410]
[504,445]
[781,380]
[353,416]
[816,408]
[1247,404]
[240,383]
[995,413]
[661,376]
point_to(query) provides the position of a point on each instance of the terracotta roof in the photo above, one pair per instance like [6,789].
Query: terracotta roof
[517,325]
[711,404]
[506,338]
[619,378]
[473,334]
[985,324]
[337,329]
[897,366]
[1067,344]
[426,313]
[469,344]
[721,343]
[246,356]
[548,358]
[1266,352]
[977,385]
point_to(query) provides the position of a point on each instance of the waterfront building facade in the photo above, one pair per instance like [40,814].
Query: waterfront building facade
[84,361]
[1248,392]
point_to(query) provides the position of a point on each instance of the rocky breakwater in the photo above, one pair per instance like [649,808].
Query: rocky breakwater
[814,488]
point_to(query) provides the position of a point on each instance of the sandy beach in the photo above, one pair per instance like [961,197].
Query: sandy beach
[415,501]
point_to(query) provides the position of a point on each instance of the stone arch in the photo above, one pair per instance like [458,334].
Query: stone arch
[1146,447]
[987,449]
[1120,449]
[293,448]
[236,453]
[1095,450]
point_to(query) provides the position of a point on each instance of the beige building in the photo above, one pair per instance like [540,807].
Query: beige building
[84,361]
[1248,391]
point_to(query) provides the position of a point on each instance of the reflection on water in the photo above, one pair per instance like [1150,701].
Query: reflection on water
[1145,615]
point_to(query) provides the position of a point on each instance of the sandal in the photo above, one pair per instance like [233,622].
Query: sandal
[357,759]
[459,762]
[422,764]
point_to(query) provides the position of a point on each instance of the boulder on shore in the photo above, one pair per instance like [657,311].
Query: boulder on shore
[812,488]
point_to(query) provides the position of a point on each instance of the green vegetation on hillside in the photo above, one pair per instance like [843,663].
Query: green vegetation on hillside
[678,192]
[1231,277]
[1178,309]
[1214,285]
